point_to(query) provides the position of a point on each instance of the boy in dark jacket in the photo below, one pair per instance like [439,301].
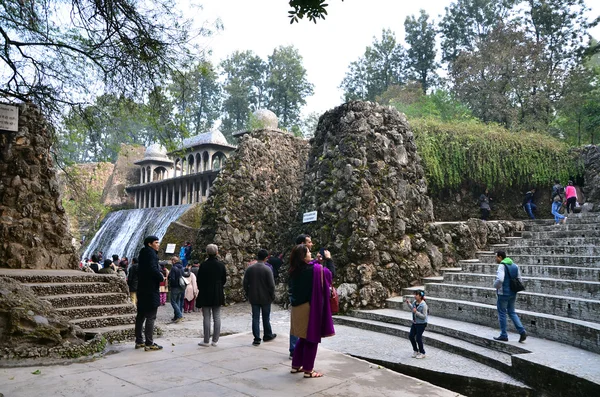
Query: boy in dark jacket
[132,280]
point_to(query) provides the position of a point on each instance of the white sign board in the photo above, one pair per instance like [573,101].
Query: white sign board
[309,217]
[9,118]
[170,249]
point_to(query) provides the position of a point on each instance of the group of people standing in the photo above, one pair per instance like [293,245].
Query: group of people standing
[561,196]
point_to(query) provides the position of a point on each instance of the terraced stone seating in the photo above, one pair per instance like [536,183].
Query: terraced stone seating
[560,309]
[98,303]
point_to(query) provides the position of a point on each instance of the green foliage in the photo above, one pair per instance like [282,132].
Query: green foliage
[489,155]
[381,67]
[287,85]
[438,105]
[420,54]
[312,9]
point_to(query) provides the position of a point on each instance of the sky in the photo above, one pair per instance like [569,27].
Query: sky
[327,47]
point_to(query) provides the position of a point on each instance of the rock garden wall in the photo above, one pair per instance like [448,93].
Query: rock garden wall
[34,231]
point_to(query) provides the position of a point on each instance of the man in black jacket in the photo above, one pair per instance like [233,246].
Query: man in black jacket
[259,286]
[149,276]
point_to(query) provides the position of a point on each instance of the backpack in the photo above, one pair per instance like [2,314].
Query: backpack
[515,284]
[559,191]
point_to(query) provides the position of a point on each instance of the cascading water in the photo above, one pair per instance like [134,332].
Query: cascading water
[123,232]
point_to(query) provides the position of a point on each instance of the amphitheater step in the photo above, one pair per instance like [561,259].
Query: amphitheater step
[72,300]
[565,260]
[583,334]
[576,250]
[533,362]
[566,306]
[113,333]
[46,289]
[412,290]
[575,288]
[489,357]
[551,242]
[569,226]
[563,272]
[448,370]
[104,321]
[559,233]
[81,312]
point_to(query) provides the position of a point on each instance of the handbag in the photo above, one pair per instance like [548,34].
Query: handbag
[334,299]
[183,282]
[514,283]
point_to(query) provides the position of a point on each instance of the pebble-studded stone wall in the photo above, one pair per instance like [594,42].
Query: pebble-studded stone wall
[33,227]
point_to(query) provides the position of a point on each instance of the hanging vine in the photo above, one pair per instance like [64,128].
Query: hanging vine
[489,155]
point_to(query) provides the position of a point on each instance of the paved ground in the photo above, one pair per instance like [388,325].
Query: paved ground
[234,368]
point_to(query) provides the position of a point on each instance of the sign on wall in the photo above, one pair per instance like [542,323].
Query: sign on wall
[170,249]
[9,118]
[309,217]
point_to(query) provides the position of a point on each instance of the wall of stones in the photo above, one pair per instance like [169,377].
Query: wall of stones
[253,202]
[365,179]
[125,173]
[591,160]
[33,226]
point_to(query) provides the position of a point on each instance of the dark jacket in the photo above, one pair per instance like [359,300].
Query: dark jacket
[149,276]
[132,278]
[95,267]
[194,270]
[212,276]
[174,275]
[259,284]
[301,285]
[276,263]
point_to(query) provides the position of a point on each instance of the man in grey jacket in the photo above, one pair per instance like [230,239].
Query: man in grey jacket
[259,286]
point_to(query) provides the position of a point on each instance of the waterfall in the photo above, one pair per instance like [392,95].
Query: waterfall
[123,232]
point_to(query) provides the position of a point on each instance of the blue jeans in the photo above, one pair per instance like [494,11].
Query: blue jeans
[176,301]
[416,337]
[506,304]
[555,208]
[266,317]
[529,208]
[293,341]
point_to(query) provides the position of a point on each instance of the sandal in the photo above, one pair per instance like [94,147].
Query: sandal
[296,370]
[313,374]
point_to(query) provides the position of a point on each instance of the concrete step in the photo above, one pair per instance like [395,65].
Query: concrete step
[104,321]
[490,357]
[573,218]
[575,250]
[534,362]
[545,271]
[582,334]
[559,233]
[551,242]
[81,312]
[569,226]
[564,306]
[46,289]
[465,377]
[552,260]
[57,276]
[411,290]
[575,288]
[114,333]
[73,300]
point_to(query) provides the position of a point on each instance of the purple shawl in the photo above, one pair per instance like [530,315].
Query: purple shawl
[320,323]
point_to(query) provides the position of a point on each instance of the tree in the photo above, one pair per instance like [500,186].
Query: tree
[94,133]
[287,85]
[312,9]
[420,55]
[196,95]
[244,89]
[496,80]
[378,69]
[56,53]
[468,22]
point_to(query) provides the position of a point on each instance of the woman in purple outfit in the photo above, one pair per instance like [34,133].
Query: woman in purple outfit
[310,284]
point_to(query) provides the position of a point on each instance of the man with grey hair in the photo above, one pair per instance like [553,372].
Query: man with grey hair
[211,280]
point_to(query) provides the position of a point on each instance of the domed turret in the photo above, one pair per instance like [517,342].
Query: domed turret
[155,151]
[266,118]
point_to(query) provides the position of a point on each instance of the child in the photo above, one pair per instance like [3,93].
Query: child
[419,317]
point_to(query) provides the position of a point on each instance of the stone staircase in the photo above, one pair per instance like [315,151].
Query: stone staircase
[560,309]
[97,303]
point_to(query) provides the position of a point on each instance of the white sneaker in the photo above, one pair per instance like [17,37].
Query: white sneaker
[214,344]
[204,344]
[415,354]
[420,355]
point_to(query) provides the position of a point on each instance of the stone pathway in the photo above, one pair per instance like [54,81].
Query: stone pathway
[234,368]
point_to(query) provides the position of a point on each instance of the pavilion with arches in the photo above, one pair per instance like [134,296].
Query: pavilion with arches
[183,176]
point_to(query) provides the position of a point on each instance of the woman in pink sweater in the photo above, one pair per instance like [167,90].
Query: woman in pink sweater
[571,196]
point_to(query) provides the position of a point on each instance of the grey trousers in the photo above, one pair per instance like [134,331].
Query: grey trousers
[216,313]
[148,316]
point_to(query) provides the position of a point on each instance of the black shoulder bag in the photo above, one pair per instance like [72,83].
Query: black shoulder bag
[515,284]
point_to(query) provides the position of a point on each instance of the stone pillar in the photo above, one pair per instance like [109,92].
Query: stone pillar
[141,175]
[160,198]
[137,198]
